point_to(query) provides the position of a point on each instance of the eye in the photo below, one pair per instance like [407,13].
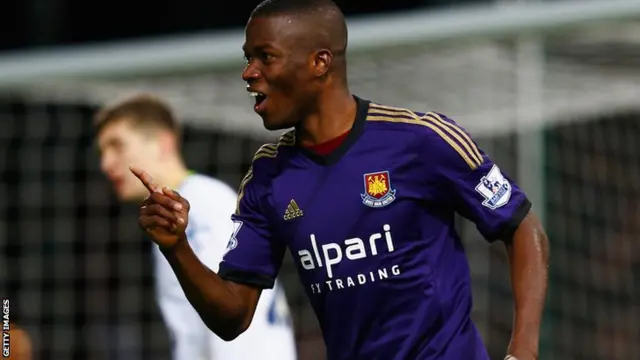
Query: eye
[266,57]
[116,146]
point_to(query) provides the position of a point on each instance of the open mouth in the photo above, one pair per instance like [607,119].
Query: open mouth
[260,101]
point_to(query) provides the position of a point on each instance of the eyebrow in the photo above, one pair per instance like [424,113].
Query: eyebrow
[259,47]
[109,142]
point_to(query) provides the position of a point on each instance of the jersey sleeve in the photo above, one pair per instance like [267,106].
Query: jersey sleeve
[253,255]
[473,184]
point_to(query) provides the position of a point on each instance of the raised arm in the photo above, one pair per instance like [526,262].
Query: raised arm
[226,307]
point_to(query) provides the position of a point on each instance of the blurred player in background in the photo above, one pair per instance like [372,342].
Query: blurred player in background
[143,130]
[20,343]
[364,197]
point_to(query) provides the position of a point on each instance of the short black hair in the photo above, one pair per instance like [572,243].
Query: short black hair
[274,7]
[326,13]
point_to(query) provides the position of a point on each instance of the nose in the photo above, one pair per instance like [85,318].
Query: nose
[250,73]
[107,163]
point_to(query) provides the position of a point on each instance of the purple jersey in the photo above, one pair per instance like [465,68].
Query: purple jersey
[371,229]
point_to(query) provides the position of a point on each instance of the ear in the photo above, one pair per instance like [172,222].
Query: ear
[322,63]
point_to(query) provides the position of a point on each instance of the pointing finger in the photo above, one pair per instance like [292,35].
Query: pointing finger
[145,179]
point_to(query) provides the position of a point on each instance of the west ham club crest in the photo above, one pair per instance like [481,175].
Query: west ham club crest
[377,190]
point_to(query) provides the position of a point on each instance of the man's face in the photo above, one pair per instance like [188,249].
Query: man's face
[280,70]
[122,145]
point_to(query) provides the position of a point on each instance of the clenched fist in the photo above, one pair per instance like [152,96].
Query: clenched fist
[163,214]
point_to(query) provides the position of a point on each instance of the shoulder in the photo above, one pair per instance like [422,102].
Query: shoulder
[268,158]
[200,187]
[266,164]
[208,196]
[431,133]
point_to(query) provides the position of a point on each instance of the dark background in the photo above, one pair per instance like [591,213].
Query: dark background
[38,23]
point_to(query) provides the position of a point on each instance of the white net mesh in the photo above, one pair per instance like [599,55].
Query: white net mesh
[574,91]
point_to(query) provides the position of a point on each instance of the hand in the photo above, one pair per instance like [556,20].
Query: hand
[163,214]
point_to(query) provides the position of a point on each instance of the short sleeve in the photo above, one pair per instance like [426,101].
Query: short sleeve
[253,256]
[491,200]
[475,186]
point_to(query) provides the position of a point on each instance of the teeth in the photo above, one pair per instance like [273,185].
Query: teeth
[255,94]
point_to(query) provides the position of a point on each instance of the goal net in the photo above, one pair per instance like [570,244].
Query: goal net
[549,90]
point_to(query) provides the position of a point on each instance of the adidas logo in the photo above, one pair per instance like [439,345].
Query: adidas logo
[293,211]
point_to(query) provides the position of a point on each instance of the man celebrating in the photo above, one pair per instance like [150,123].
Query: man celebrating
[364,197]
[143,130]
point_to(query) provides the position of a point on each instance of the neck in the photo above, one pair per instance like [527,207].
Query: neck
[173,174]
[334,116]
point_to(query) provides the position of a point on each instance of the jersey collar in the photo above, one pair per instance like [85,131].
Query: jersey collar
[352,137]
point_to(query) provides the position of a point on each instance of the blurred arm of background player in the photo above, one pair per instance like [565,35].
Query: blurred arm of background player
[225,307]
[529,258]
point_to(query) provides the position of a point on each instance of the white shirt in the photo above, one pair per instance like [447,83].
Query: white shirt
[270,335]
